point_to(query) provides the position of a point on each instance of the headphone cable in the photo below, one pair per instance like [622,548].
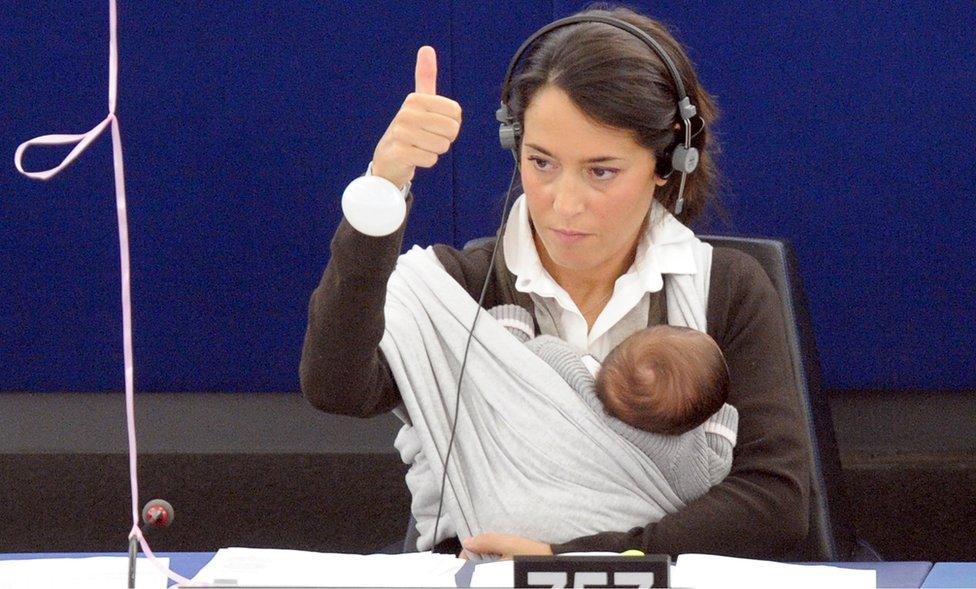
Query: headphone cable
[457,398]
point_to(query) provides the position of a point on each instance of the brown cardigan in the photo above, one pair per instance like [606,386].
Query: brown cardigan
[759,510]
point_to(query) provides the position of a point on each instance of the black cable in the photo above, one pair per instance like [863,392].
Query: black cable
[467,346]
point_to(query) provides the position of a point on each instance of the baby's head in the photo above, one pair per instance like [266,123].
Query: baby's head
[664,379]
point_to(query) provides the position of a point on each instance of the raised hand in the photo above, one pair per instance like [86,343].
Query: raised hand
[422,130]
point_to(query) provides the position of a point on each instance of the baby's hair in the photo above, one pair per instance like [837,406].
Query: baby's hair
[664,379]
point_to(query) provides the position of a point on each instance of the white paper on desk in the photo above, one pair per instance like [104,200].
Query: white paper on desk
[500,573]
[95,572]
[263,567]
[705,571]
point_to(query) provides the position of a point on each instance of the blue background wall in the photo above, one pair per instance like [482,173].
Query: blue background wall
[847,129]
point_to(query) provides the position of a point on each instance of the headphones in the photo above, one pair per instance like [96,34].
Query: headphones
[684,157]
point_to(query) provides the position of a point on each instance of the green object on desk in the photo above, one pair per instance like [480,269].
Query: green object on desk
[632,552]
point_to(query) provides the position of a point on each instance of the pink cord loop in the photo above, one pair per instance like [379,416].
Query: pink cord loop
[82,141]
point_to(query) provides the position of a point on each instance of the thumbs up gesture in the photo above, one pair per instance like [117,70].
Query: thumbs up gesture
[422,130]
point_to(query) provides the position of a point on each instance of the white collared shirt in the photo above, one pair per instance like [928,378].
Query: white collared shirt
[664,248]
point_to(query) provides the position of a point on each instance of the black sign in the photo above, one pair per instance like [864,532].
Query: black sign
[592,571]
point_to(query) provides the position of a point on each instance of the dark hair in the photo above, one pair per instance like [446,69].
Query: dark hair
[616,79]
[664,379]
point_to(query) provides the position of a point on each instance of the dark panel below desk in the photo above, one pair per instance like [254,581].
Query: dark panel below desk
[325,502]
[266,469]
[915,511]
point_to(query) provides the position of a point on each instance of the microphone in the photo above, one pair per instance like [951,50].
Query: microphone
[158,513]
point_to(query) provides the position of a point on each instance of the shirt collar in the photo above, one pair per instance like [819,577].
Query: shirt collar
[666,247]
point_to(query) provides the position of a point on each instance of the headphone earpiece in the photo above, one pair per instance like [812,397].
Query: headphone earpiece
[684,159]
[509,131]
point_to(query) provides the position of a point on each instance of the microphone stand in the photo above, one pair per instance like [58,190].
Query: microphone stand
[133,551]
[158,513]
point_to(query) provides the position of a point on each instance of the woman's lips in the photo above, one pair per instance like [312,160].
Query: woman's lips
[569,236]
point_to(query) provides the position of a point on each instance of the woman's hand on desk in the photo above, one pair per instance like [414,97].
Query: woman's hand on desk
[423,129]
[505,545]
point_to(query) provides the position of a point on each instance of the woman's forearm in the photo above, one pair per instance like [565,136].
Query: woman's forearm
[342,370]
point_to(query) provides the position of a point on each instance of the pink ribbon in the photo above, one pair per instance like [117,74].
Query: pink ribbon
[81,143]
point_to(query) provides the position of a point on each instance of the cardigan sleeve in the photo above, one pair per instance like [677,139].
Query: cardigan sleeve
[761,509]
[342,369]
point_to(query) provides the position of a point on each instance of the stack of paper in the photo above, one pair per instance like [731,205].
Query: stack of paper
[96,572]
[256,567]
[705,571]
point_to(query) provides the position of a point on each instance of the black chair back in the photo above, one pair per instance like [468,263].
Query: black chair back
[831,536]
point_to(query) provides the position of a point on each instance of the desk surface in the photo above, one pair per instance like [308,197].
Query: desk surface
[952,574]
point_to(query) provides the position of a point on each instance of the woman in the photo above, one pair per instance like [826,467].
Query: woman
[598,115]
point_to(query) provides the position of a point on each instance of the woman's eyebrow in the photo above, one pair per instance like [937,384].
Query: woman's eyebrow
[592,160]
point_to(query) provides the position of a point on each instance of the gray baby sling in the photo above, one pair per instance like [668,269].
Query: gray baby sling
[530,456]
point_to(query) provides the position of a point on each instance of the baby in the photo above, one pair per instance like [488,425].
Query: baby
[665,379]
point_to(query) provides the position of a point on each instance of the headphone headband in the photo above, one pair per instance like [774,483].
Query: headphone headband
[614,22]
